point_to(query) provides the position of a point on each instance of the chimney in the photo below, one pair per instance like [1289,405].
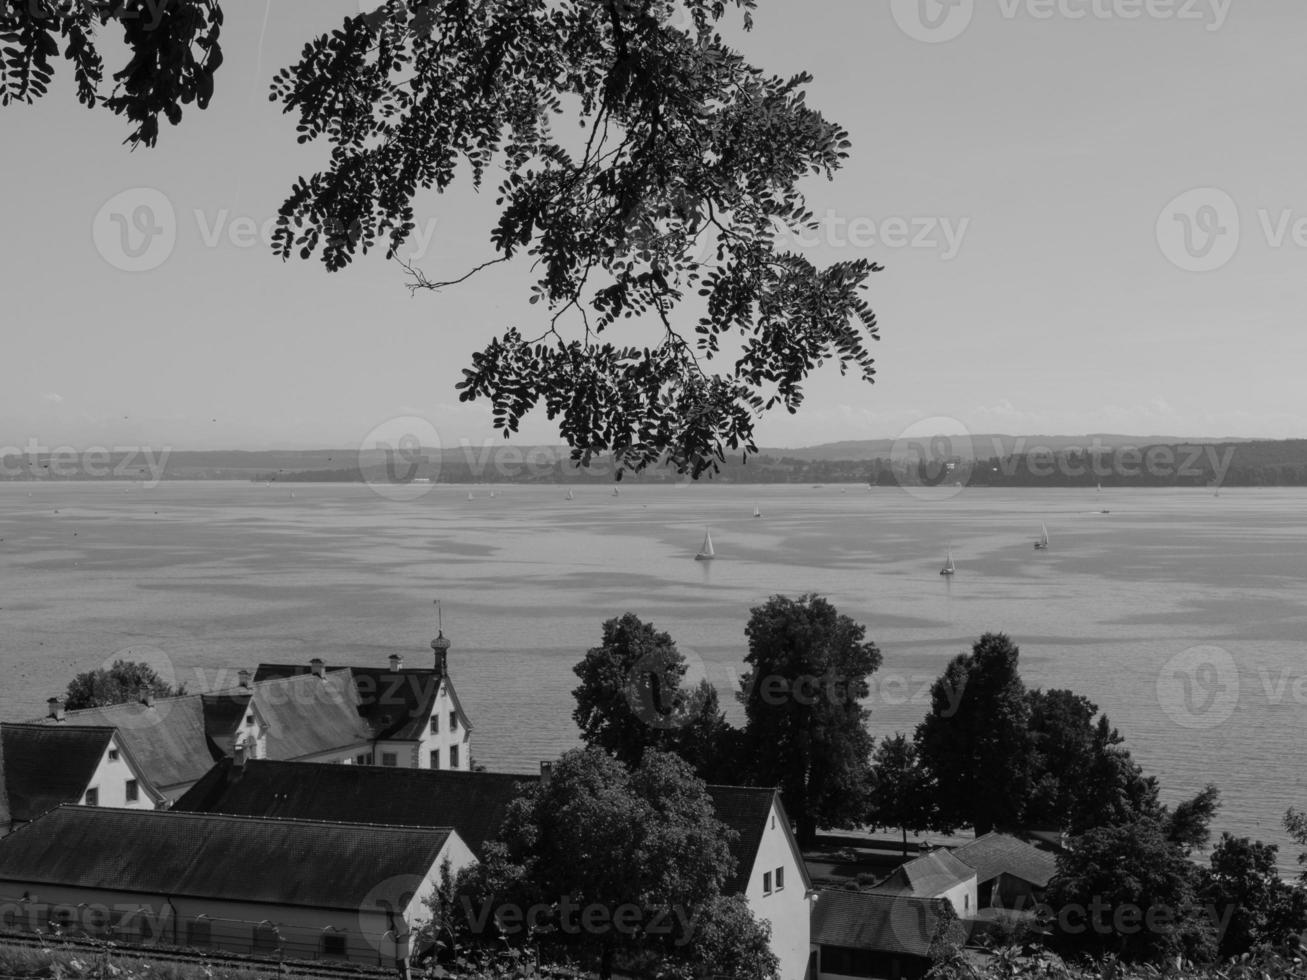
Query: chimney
[546,770]
[396,662]
[147,697]
[243,676]
[317,666]
[56,706]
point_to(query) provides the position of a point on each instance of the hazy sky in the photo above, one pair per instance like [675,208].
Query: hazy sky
[1035,149]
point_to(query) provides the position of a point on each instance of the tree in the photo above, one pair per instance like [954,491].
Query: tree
[1129,892]
[1062,741]
[1295,823]
[1189,824]
[975,742]
[597,834]
[900,797]
[122,681]
[669,208]
[1244,884]
[806,727]
[631,699]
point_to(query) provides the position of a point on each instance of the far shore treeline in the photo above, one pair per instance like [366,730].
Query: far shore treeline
[978,461]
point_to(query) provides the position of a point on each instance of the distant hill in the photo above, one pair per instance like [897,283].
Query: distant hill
[985,460]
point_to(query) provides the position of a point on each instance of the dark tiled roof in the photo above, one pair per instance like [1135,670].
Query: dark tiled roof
[895,924]
[167,740]
[5,818]
[473,803]
[995,854]
[46,766]
[746,810]
[927,876]
[308,715]
[241,859]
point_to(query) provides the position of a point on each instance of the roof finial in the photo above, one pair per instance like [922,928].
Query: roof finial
[440,644]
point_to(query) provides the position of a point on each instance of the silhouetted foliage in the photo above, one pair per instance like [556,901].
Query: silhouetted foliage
[118,683]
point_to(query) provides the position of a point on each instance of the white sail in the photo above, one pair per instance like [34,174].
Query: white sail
[757,512]
[949,567]
[570,495]
[1042,543]
[706,552]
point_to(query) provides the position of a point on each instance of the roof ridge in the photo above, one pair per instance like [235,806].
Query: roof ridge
[243,818]
[42,726]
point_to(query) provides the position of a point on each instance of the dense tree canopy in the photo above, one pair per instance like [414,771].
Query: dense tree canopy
[118,683]
[806,726]
[666,202]
[901,794]
[597,834]
[1257,907]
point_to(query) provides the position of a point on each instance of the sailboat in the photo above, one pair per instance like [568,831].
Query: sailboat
[570,495]
[1042,543]
[616,492]
[757,512]
[469,495]
[706,552]
[949,568]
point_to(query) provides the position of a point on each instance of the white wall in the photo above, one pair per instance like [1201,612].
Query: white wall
[788,910]
[110,781]
[443,738]
[962,897]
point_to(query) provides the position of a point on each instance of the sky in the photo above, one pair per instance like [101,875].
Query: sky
[1092,216]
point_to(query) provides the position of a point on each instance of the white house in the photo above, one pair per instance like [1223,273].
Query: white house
[355,715]
[42,768]
[935,875]
[274,888]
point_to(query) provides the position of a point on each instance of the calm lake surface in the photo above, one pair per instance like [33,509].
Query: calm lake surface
[1182,614]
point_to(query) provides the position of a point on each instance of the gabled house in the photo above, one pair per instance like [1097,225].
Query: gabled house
[42,768]
[395,717]
[270,888]
[935,875]
[879,934]
[1010,873]
[770,872]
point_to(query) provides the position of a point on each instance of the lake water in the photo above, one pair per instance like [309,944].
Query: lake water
[1182,614]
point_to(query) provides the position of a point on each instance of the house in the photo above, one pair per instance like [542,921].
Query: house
[393,716]
[276,888]
[935,875]
[769,867]
[769,871]
[878,934]
[1010,873]
[42,767]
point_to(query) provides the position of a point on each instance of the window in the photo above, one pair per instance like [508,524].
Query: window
[334,946]
[780,878]
[249,719]
[773,821]
[266,939]
[133,792]
[435,724]
[92,797]
[363,759]
[113,755]
[435,758]
[199,932]
[453,757]
[766,882]
[453,721]
[966,903]
[389,759]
